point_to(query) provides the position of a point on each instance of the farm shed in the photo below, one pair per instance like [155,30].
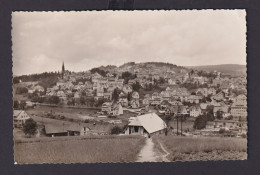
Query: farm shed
[65,129]
[147,125]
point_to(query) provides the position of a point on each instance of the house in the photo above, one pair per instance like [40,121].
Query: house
[171,81]
[108,95]
[239,110]
[100,92]
[174,102]
[106,108]
[156,98]
[117,109]
[135,100]
[212,91]
[65,129]
[148,125]
[77,95]
[228,124]
[222,109]
[202,91]
[164,105]
[193,99]
[123,99]
[147,99]
[203,107]
[165,95]
[240,99]
[127,89]
[38,88]
[195,111]
[219,96]
[131,82]
[134,103]
[19,118]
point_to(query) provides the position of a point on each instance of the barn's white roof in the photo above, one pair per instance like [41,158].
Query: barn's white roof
[151,122]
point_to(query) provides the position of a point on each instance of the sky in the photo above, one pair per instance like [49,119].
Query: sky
[83,40]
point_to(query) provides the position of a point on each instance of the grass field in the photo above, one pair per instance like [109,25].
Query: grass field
[73,113]
[78,149]
[202,148]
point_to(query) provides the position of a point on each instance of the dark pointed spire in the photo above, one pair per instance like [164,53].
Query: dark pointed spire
[63,70]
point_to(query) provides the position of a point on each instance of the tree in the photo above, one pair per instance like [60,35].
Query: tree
[30,127]
[209,109]
[16,104]
[136,86]
[15,80]
[21,90]
[22,104]
[210,117]
[203,100]
[115,94]
[100,101]
[208,98]
[82,100]
[54,100]
[161,80]
[219,115]
[129,96]
[200,122]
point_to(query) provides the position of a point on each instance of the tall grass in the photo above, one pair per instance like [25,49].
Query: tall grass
[183,148]
[204,144]
[81,150]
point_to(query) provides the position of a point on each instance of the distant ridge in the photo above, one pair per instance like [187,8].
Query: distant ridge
[233,69]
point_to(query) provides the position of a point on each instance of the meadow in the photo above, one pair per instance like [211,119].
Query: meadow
[202,148]
[81,149]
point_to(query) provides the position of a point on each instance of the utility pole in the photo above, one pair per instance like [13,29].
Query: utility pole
[181,125]
[177,125]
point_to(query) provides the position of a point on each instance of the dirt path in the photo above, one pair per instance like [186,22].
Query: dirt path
[164,156]
[148,154]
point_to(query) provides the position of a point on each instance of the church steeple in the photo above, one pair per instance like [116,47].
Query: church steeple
[63,70]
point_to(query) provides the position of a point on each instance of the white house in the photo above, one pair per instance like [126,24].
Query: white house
[195,111]
[127,89]
[20,117]
[147,125]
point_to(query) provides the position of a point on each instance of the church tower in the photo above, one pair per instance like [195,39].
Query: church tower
[63,70]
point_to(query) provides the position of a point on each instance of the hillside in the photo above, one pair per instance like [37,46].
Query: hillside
[232,69]
[156,67]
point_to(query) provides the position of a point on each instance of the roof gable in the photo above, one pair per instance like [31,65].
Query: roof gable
[151,122]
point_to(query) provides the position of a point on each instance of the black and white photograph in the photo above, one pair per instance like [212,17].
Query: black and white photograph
[129,86]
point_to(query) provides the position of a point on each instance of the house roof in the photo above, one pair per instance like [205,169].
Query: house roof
[151,122]
[62,128]
[17,112]
[220,108]
[135,122]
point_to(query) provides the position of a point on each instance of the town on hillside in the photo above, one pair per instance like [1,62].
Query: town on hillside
[133,99]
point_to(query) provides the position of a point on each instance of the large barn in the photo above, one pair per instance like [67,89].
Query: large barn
[147,125]
[65,129]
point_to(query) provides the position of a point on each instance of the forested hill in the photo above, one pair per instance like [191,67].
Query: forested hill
[232,69]
[145,66]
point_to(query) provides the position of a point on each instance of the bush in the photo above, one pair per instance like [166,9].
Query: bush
[116,130]
[221,131]
[21,90]
[243,135]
